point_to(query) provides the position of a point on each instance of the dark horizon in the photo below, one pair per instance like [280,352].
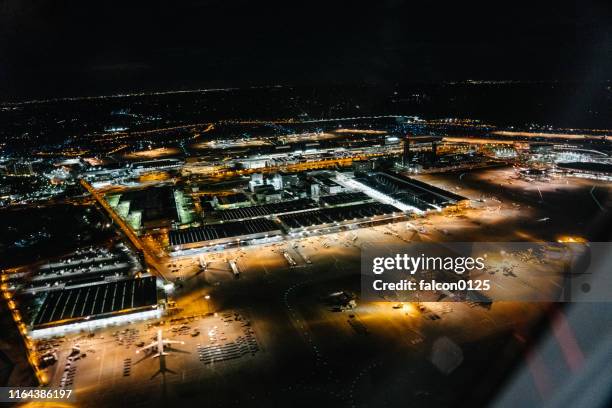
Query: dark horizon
[135,93]
[69,49]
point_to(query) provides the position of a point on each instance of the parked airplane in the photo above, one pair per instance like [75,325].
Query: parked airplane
[159,344]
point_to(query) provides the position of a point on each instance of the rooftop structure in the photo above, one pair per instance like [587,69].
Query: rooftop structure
[602,171]
[85,266]
[95,302]
[267,209]
[409,191]
[162,164]
[231,201]
[223,233]
[344,198]
[330,216]
[147,208]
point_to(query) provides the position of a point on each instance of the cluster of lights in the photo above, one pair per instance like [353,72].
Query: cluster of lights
[23,331]
[89,324]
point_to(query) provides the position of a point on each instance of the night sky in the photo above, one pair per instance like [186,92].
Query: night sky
[62,48]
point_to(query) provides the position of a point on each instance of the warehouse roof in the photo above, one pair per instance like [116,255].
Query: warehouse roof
[96,301]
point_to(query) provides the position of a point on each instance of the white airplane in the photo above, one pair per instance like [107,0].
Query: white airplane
[160,343]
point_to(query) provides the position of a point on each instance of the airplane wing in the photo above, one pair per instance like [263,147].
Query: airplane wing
[172,342]
[151,345]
